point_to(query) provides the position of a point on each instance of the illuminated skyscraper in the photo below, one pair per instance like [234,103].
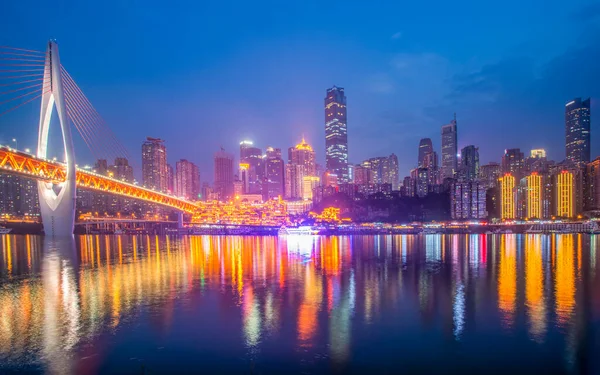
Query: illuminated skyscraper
[256,171]
[154,164]
[274,174]
[303,154]
[243,176]
[294,179]
[223,175]
[468,200]
[425,148]
[564,189]
[187,180]
[577,131]
[489,174]
[336,134]
[449,150]
[507,197]
[469,163]
[513,162]
[534,196]
[592,188]
[18,196]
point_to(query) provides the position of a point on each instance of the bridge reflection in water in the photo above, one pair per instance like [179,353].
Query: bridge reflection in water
[315,302]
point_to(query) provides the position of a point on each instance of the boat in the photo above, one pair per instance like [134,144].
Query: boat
[303,230]
[5,230]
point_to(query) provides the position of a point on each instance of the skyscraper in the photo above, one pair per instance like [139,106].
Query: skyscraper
[449,149]
[121,170]
[425,148]
[468,200]
[154,164]
[223,175]
[336,133]
[251,155]
[303,154]
[577,131]
[507,197]
[513,162]
[469,163]
[187,180]
[294,179]
[489,174]
[274,174]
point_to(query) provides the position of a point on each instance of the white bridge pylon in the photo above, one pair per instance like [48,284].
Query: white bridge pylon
[57,202]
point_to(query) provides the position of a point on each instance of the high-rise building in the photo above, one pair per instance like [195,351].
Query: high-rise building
[378,171]
[154,164]
[538,153]
[468,200]
[18,196]
[170,179]
[577,131]
[489,174]
[309,183]
[425,148]
[564,188]
[362,174]
[274,181]
[513,162]
[121,170]
[223,175]
[336,134]
[534,195]
[507,197]
[251,155]
[294,177]
[469,163]
[244,177]
[421,178]
[187,180]
[592,186]
[449,150]
[303,154]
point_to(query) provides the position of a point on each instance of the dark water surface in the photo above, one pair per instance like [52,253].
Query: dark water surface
[501,304]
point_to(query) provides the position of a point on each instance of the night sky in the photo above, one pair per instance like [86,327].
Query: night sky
[202,74]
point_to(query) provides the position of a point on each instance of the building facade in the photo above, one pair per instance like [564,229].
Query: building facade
[449,150]
[577,131]
[274,181]
[154,165]
[425,148]
[469,163]
[223,175]
[468,200]
[336,134]
[251,155]
[187,180]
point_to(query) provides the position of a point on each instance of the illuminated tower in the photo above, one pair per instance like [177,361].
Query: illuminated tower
[274,174]
[336,134]
[303,154]
[507,197]
[449,150]
[154,164]
[534,196]
[577,131]
[256,171]
[425,147]
[564,190]
[469,163]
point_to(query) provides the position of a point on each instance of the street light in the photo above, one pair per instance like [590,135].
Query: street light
[16,144]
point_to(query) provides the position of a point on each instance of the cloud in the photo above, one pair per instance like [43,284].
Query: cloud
[380,83]
[397,35]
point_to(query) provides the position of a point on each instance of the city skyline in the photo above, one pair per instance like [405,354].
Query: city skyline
[384,84]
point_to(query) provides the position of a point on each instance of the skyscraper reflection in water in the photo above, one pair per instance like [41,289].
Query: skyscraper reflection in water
[97,304]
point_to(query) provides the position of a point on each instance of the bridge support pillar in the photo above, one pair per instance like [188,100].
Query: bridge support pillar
[57,201]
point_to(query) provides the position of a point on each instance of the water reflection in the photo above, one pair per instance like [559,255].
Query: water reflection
[298,299]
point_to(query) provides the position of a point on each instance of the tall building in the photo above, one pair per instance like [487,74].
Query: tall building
[294,179]
[577,131]
[251,155]
[379,170]
[421,178]
[362,174]
[336,134]
[274,181]
[469,163]
[538,153]
[489,174]
[468,200]
[513,162]
[564,188]
[187,180]
[244,177]
[303,154]
[449,150]
[592,186]
[425,147]
[223,175]
[508,209]
[534,196]
[170,179]
[154,164]
[18,196]
[121,170]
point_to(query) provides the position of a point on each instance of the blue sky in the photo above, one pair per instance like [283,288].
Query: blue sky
[202,74]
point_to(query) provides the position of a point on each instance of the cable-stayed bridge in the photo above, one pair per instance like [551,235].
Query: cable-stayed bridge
[27,75]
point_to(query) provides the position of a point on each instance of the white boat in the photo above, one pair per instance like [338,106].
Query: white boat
[303,230]
[4,230]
